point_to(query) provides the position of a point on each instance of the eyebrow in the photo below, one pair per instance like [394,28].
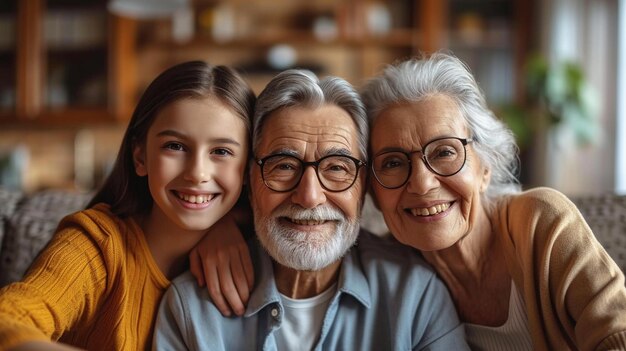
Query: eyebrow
[395,148]
[390,149]
[331,151]
[337,151]
[179,135]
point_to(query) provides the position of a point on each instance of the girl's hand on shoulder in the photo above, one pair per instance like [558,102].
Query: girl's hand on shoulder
[221,262]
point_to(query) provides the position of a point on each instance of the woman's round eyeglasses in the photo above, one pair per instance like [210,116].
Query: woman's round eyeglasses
[442,156]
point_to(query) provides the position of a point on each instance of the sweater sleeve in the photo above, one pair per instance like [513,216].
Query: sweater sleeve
[580,289]
[63,287]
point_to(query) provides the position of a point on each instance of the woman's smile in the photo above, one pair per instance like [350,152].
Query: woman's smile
[429,211]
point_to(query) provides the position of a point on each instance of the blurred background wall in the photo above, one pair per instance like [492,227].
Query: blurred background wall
[71,71]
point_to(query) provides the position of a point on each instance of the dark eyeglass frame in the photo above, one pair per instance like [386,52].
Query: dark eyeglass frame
[315,164]
[464,142]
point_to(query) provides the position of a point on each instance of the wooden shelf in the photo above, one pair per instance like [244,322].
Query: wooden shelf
[397,38]
[6,115]
[425,26]
[75,117]
[106,83]
[458,41]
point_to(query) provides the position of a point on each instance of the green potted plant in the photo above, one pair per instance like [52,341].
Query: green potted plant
[560,103]
[563,96]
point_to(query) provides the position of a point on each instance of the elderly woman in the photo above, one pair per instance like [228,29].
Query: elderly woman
[523,268]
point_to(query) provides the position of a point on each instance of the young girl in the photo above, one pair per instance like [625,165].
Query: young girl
[180,168]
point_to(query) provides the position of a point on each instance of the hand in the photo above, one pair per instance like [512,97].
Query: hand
[221,261]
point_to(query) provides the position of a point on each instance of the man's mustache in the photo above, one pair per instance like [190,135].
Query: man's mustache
[319,213]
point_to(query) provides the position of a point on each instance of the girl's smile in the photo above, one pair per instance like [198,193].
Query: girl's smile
[195,201]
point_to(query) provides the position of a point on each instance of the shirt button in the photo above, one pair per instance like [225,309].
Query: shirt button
[274,312]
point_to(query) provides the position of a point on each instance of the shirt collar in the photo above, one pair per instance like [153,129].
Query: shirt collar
[352,280]
[265,291]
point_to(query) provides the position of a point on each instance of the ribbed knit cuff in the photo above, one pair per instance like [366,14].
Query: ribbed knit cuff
[616,341]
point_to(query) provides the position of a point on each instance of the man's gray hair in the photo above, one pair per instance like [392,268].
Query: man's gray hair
[440,73]
[302,88]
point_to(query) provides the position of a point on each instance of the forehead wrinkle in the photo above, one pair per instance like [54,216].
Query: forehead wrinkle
[417,123]
[299,147]
[311,132]
[315,129]
[324,142]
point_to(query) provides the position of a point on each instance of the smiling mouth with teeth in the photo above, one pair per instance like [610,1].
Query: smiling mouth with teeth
[305,221]
[429,211]
[195,199]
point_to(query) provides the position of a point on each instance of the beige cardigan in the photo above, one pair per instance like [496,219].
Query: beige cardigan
[574,292]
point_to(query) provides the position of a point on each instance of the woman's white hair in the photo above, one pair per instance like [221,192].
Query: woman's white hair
[440,73]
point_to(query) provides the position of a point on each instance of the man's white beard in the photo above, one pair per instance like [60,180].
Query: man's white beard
[305,251]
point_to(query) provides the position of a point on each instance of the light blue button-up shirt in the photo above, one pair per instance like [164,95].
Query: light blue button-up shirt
[387,298]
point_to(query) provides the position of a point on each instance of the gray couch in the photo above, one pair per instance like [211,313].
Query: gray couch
[28,221]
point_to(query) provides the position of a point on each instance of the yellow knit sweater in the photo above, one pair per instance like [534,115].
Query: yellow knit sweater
[574,292]
[95,286]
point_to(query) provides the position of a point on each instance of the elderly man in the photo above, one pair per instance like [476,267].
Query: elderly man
[315,288]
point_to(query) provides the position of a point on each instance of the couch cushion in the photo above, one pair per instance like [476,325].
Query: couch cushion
[606,215]
[31,226]
[9,200]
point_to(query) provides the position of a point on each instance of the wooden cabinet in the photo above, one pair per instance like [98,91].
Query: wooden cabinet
[57,81]
[353,39]
[8,44]
[493,38]
[348,38]
[72,63]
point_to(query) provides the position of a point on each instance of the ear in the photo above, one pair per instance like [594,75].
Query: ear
[139,160]
[486,179]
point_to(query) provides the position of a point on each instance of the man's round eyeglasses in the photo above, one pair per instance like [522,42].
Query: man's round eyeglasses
[283,172]
[442,156]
